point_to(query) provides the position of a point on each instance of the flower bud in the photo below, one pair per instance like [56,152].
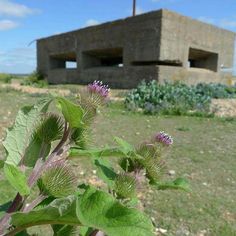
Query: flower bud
[98,88]
[163,138]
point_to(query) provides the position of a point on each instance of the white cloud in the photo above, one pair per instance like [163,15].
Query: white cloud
[91,22]
[7,24]
[9,8]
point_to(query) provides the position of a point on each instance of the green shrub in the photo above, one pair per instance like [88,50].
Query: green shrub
[176,98]
[36,80]
[216,90]
[5,78]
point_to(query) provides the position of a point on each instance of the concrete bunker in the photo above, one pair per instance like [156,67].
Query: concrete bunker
[203,59]
[159,45]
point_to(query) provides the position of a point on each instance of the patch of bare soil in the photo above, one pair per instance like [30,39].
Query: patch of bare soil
[33,90]
[224,107]
[62,92]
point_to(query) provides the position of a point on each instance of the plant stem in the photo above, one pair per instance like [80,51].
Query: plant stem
[97,233]
[4,222]
[34,203]
[46,222]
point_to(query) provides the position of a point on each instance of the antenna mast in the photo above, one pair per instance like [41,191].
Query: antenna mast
[134,7]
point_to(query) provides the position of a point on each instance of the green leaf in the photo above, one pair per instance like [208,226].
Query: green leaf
[1,164]
[4,207]
[33,151]
[105,171]
[62,230]
[178,184]
[125,147]
[17,179]
[23,233]
[19,136]
[85,231]
[59,211]
[101,211]
[98,152]
[72,113]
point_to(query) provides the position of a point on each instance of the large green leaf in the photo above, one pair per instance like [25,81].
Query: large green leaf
[72,113]
[178,184]
[95,209]
[20,135]
[59,211]
[17,179]
[101,211]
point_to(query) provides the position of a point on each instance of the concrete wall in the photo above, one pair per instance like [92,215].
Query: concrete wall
[150,46]
[179,33]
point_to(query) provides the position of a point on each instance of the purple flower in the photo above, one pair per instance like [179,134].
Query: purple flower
[98,88]
[163,138]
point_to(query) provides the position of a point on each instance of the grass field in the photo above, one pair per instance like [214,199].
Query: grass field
[203,152]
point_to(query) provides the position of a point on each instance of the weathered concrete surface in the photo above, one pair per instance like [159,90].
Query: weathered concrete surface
[179,33]
[158,45]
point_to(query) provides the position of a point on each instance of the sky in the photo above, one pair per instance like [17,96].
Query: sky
[24,21]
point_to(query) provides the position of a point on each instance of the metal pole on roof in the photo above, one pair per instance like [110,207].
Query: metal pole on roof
[134,7]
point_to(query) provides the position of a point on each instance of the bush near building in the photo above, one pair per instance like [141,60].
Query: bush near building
[176,98]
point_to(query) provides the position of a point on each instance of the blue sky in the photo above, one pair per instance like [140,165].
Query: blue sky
[22,21]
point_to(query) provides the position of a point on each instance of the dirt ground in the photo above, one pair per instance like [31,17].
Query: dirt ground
[224,107]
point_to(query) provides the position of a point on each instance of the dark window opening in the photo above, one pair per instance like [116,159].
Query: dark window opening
[112,57]
[161,63]
[63,61]
[202,59]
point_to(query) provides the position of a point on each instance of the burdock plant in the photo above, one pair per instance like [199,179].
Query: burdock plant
[39,148]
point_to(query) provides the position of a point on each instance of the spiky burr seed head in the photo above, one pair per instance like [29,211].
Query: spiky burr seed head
[57,180]
[125,185]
